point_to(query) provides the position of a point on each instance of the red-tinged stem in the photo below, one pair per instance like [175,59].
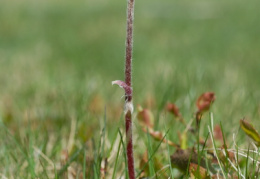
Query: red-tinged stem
[129,141]
[128,81]
[129,42]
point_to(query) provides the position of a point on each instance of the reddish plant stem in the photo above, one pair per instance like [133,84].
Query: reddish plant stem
[129,43]
[129,141]
[128,81]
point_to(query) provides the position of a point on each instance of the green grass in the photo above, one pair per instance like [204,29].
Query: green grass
[57,61]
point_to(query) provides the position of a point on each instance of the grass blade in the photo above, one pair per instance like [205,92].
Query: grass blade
[246,175]
[153,153]
[169,155]
[84,165]
[150,162]
[117,155]
[122,142]
[214,145]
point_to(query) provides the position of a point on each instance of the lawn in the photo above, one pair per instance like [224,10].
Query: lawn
[58,59]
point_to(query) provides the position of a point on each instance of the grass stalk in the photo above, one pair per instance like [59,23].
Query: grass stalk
[152,155]
[84,165]
[125,155]
[150,151]
[169,155]
[117,155]
[214,145]
[246,174]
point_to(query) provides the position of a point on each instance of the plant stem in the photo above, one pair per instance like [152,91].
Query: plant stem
[126,85]
[129,149]
[129,43]
[128,81]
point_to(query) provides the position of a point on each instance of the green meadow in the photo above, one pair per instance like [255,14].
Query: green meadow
[60,117]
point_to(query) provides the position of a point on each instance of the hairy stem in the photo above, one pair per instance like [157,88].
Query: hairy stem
[127,86]
[129,43]
[128,81]
[129,147]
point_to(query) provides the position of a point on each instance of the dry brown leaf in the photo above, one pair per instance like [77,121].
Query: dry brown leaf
[157,135]
[203,104]
[145,117]
[205,100]
[172,108]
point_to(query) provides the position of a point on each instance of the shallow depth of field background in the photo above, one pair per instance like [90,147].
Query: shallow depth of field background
[58,58]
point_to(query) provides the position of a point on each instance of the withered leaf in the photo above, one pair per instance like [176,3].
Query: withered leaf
[145,117]
[250,131]
[172,108]
[205,100]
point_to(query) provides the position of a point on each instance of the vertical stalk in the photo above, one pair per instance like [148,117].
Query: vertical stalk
[129,149]
[128,81]
[129,43]
[127,86]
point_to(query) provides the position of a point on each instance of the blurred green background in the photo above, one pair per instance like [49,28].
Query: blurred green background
[58,58]
[78,47]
